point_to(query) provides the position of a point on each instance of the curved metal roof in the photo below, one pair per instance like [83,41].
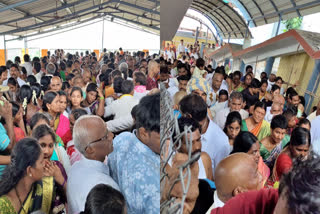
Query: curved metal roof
[230,24]
[18,17]
[227,22]
[262,12]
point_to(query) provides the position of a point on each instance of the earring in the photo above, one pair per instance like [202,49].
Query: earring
[30,175]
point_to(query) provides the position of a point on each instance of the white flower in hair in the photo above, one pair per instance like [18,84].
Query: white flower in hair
[24,105]
[34,97]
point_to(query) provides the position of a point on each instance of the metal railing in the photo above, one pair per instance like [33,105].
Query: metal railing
[170,144]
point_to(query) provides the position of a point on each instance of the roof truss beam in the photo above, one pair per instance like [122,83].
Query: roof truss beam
[140,7]
[136,22]
[218,30]
[234,22]
[73,16]
[46,12]
[200,21]
[246,10]
[134,14]
[256,4]
[55,21]
[209,12]
[18,4]
[282,12]
[18,11]
[294,5]
[64,2]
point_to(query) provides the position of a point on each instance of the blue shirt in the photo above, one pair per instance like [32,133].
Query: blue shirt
[4,143]
[136,169]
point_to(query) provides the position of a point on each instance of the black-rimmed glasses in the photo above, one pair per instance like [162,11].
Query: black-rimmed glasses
[96,141]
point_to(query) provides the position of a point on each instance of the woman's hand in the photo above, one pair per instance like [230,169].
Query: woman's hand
[51,169]
[5,109]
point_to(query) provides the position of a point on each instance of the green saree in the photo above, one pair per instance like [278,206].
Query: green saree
[261,131]
[39,199]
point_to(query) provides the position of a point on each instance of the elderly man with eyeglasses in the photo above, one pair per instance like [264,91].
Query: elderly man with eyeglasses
[94,142]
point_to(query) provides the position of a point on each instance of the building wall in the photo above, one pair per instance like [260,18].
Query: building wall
[188,40]
[297,67]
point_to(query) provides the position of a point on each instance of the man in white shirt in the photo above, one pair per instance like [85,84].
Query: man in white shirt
[122,106]
[217,83]
[214,141]
[36,70]
[94,142]
[194,54]
[27,64]
[15,73]
[271,81]
[235,103]
[235,174]
[181,48]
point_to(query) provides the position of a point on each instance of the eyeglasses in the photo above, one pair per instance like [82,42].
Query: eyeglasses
[96,141]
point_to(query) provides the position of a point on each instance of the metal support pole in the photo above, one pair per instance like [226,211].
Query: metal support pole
[25,44]
[197,35]
[207,36]
[102,33]
[280,19]
[5,48]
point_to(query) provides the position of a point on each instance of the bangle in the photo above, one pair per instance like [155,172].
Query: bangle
[101,98]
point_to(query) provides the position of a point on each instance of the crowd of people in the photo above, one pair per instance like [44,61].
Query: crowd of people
[80,133]
[259,150]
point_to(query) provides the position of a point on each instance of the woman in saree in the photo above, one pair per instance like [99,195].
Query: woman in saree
[256,123]
[51,105]
[94,102]
[248,143]
[22,189]
[59,152]
[271,146]
[27,97]
[298,148]
[232,127]
[46,140]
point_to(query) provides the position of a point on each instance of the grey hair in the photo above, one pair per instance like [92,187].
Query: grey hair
[81,133]
[123,67]
[236,95]
[51,68]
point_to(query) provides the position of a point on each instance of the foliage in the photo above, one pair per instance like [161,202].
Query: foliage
[294,23]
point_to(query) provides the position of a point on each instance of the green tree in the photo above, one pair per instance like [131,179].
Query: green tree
[294,23]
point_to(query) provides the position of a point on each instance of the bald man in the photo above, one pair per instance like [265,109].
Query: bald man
[275,110]
[93,140]
[276,99]
[235,174]
[55,84]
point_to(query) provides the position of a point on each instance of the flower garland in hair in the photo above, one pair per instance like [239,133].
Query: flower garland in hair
[24,105]
[42,93]
[34,97]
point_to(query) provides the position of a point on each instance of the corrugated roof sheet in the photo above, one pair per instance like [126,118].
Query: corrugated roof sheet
[37,15]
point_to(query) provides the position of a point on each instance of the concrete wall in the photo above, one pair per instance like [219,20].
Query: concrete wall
[301,66]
